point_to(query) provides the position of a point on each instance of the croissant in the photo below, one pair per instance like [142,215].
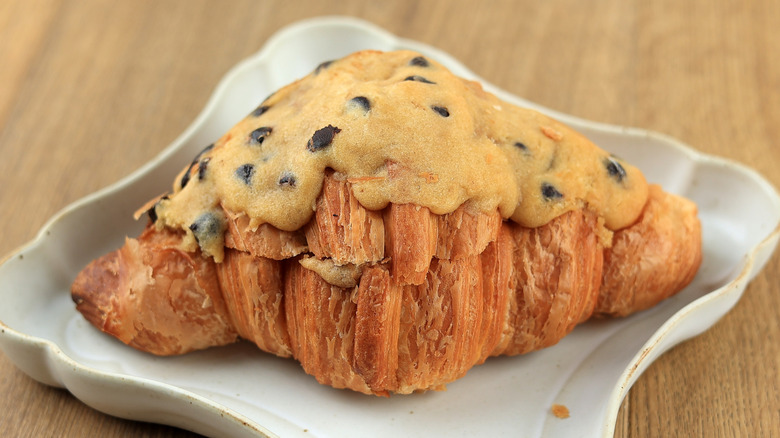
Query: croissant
[390,226]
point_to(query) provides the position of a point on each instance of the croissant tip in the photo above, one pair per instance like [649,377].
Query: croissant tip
[92,288]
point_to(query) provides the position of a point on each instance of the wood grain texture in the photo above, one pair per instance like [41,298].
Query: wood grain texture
[91,90]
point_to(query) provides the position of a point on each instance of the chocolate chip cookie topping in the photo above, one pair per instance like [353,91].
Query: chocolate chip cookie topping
[402,129]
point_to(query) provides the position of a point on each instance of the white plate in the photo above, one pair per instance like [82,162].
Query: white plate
[239,391]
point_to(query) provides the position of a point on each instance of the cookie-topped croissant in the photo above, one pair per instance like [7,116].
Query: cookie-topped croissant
[390,225]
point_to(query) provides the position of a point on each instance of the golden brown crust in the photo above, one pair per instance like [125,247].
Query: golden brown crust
[653,259]
[411,236]
[440,294]
[498,283]
[252,287]
[91,291]
[264,241]
[321,324]
[556,274]
[377,324]
[342,229]
[155,297]
[441,321]
[465,233]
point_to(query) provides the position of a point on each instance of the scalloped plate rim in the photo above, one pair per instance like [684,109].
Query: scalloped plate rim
[52,352]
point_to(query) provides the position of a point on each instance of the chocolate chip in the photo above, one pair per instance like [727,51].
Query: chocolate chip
[614,169]
[202,166]
[245,172]
[522,146]
[322,66]
[322,138]
[257,136]
[186,177]
[206,149]
[287,179]
[441,110]
[416,78]
[152,212]
[419,62]
[550,192]
[260,110]
[362,102]
[207,226]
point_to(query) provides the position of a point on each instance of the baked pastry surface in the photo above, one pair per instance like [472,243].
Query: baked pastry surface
[390,225]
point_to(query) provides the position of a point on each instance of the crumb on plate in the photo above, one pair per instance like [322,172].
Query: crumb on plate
[560,411]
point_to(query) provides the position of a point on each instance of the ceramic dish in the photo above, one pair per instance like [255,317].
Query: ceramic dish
[239,391]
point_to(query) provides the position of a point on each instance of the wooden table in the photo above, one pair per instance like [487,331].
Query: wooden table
[92,89]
